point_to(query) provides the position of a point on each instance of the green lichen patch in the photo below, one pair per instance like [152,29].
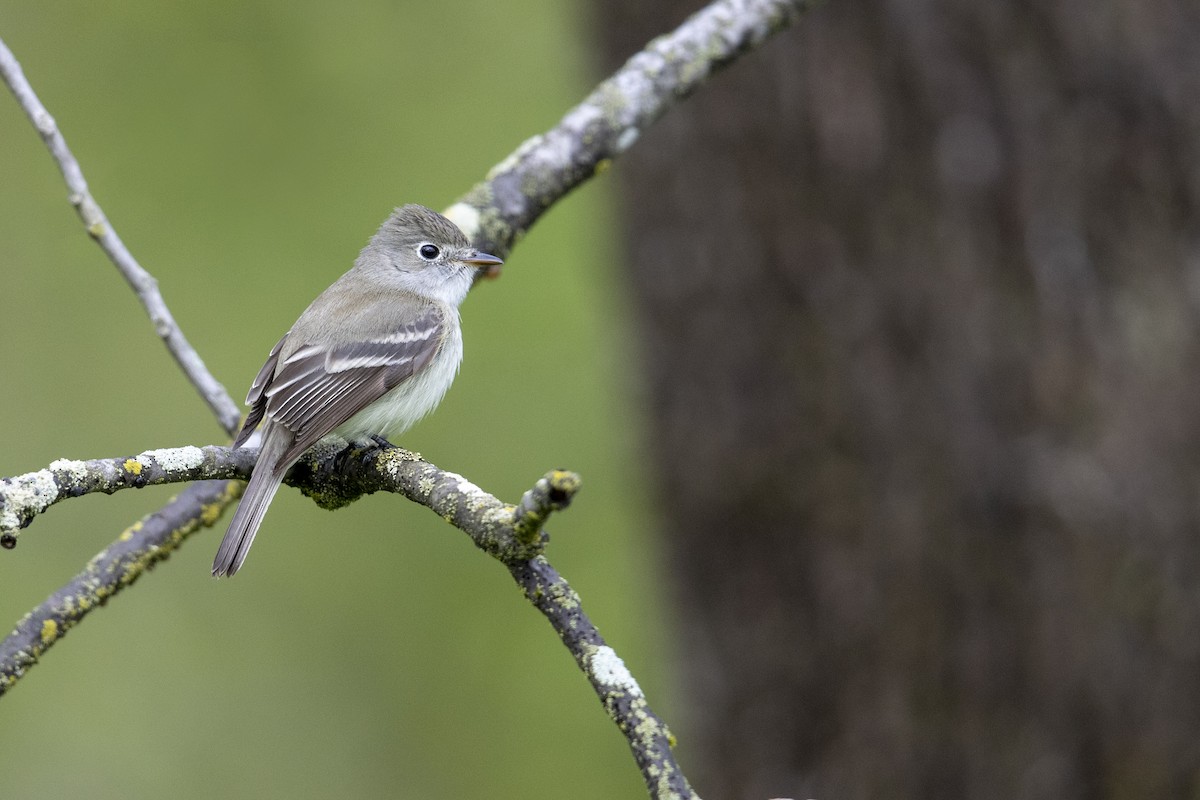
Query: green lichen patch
[49,632]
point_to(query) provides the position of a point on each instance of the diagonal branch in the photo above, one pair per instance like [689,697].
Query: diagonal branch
[494,214]
[498,211]
[103,233]
[334,474]
[147,542]
[648,736]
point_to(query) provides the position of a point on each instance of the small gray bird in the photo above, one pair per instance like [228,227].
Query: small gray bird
[371,356]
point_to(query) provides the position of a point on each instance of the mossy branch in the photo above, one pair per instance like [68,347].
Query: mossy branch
[495,214]
[145,543]
[334,474]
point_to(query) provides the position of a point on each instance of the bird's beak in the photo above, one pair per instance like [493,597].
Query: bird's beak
[478,259]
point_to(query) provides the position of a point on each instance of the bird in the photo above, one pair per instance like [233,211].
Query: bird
[372,355]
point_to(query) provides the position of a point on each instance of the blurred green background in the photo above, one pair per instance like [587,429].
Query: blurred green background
[245,152]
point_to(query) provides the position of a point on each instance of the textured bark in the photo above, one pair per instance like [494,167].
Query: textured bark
[917,293]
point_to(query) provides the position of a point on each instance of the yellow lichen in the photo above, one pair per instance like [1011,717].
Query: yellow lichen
[211,512]
[128,533]
[49,631]
[133,466]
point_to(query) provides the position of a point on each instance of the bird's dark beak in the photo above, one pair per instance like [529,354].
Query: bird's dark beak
[478,259]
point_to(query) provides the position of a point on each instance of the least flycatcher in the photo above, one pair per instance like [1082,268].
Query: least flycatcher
[371,356]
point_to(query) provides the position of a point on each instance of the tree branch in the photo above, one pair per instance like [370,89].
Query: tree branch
[494,214]
[103,233]
[498,211]
[334,473]
[137,549]
[25,496]
[648,736]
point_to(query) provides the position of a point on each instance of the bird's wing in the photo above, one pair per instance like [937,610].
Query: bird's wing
[255,398]
[318,387]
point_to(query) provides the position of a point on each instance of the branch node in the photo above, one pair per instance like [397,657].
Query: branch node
[44,123]
[553,492]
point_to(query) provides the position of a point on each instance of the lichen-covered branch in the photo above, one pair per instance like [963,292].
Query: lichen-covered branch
[514,536]
[334,474]
[139,548]
[496,212]
[553,492]
[25,496]
[103,233]
[619,692]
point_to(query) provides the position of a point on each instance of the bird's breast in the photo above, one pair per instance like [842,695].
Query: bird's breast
[412,398]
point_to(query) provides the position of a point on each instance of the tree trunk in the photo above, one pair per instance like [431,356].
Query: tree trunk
[917,290]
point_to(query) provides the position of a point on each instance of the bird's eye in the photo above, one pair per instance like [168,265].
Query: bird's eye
[429,252]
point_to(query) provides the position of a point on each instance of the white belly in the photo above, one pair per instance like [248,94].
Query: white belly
[401,408]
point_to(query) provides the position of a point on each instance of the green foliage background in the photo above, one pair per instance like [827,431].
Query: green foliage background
[245,152]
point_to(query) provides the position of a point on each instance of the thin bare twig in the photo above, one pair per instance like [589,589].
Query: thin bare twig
[103,233]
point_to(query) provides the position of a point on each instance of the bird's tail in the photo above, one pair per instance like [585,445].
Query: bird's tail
[268,475]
